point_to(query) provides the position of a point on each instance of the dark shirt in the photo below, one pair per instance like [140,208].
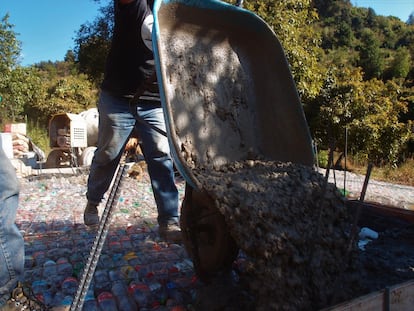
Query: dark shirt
[130,64]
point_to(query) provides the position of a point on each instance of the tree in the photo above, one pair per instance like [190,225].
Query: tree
[367,110]
[371,59]
[9,54]
[401,63]
[9,46]
[410,20]
[92,43]
[293,23]
[63,94]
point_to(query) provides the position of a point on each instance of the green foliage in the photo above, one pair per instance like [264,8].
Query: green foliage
[9,46]
[39,135]
[67,94]
[293,22]
[370,58]
[323,158]
[400,65]
[362,113]
[22,87]
[92,43]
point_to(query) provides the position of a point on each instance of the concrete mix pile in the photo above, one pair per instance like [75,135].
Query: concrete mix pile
[294,229]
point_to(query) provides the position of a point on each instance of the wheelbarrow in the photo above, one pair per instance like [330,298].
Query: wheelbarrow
[228,95]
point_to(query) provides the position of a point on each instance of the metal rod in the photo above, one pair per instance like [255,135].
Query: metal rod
[100,238]
[358,211]
[345,155]
[365,185]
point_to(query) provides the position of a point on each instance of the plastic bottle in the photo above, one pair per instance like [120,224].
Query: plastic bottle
[57,300]
[124,300]
[49,273]
[141,294]
[58,252]
[128,273]
[69,286]
[49,267]
[174,294]
[47,297]
[158,293]
[107,302]
[105,262]
[28,262]
[39,258]
[39,286]
[115,275]
[64,268]
[101,281]
[90,303]
[66,302]
[62,302]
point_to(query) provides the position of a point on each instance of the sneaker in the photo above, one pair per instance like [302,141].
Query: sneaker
[22,299]
[90,215]
[170,232]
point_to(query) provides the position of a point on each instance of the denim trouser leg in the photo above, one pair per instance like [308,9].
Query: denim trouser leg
[11,240]
[115,125]
[116,122]
[156,151]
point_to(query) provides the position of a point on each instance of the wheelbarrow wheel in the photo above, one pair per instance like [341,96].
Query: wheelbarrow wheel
[205,235]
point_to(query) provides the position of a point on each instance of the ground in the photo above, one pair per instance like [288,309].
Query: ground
[51,206]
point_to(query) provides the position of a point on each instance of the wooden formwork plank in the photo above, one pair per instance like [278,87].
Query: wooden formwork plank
[398,297]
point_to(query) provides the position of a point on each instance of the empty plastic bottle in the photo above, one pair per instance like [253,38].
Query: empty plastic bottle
[49,267]
[90,303]
[101,281]
[174,294]
[141,294]
[47,297]
[39,258]
[124,300]
[49,273]
[115,275]
[39,286]
[69,286]
[158,293]
[107,302]
[64,268]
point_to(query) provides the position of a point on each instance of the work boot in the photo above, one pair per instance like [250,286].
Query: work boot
[170,232]
[22,299]
[90,215]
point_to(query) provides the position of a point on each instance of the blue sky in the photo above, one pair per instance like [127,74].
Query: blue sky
[399,8]
[47,28]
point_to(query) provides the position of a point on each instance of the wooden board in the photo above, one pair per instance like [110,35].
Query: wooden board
[399,298]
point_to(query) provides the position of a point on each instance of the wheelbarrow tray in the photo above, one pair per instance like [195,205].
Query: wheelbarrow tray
[226,87]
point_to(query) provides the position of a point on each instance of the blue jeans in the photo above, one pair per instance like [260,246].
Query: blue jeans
[116,123]
[11,240]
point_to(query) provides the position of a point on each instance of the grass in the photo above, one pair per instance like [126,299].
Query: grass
[39,136]
[403,174]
